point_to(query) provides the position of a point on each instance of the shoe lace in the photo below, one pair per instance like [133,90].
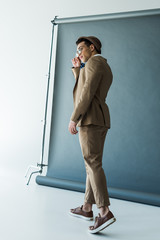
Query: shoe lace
[98,217]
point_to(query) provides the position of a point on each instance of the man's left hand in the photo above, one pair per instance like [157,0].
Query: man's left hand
[72,128]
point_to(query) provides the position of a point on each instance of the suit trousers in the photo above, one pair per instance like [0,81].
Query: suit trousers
[92,138]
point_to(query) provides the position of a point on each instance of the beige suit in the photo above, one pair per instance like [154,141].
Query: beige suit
[90,92]
[91,114]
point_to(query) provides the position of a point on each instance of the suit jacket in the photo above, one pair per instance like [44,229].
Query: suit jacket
[90,92]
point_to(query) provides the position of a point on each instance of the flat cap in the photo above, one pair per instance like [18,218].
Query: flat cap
[96,42]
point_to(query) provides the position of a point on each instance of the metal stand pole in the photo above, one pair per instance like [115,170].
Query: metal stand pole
[40,165]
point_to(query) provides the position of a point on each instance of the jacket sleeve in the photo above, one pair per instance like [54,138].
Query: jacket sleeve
[76,72]
[92,81]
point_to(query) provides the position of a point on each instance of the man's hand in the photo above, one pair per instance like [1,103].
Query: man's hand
[76,62]
[72,128]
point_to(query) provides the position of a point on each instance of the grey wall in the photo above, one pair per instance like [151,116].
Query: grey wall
[132,148]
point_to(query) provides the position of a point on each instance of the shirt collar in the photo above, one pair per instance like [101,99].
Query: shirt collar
[97,55]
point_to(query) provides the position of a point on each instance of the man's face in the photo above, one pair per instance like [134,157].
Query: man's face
[84,52]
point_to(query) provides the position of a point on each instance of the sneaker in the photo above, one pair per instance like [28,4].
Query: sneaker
[102,222]
[78,212]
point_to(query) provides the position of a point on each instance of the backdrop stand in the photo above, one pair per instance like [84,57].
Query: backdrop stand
[40,165]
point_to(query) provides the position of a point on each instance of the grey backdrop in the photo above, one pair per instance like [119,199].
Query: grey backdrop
[131,158]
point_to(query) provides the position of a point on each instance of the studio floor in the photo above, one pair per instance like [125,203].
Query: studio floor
[37,212]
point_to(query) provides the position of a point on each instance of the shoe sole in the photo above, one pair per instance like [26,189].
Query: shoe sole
[80,216]
[103,226]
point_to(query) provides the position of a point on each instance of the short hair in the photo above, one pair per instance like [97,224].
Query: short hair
[87,43]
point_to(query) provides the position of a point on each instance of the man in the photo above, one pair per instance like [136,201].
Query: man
[91,115]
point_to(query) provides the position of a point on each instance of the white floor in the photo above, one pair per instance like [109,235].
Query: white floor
[37,212]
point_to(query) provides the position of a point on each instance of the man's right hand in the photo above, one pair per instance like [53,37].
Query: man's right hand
[76,62]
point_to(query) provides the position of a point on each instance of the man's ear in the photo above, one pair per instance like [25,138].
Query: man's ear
[92,47]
